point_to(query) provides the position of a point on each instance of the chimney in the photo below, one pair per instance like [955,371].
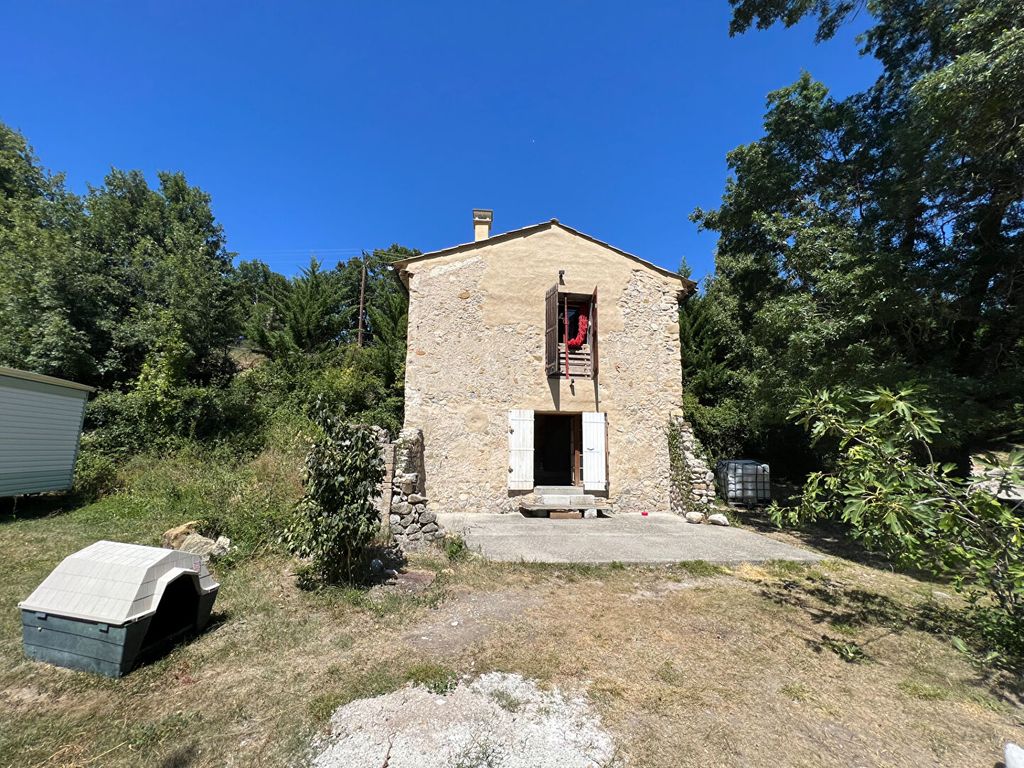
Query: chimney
[482,224]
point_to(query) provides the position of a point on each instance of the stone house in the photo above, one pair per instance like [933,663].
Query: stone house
[543,368]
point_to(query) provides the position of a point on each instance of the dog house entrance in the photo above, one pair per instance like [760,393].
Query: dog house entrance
[557,449]
[175,616]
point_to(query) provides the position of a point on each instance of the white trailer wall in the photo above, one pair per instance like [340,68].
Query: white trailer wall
[40,424]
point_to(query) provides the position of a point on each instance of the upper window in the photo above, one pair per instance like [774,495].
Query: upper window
[570,334]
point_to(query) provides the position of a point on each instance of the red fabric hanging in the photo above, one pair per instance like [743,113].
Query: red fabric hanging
[581,334]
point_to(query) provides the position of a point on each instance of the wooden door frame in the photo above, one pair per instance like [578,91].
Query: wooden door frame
[576,446]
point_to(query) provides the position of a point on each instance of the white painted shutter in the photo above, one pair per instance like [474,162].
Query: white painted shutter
[595,453]
[520,450]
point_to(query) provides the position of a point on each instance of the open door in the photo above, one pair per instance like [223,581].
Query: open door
[520,450]
[595,452]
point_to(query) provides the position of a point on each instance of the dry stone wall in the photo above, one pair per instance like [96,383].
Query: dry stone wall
[693,482]
[412,524]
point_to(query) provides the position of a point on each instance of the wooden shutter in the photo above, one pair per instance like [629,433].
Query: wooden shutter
[551,331]
[592,330]
[520,450]
[595,452]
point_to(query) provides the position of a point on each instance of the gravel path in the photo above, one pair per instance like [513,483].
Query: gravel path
[496,721]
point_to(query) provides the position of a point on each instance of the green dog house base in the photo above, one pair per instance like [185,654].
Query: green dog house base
[110,604]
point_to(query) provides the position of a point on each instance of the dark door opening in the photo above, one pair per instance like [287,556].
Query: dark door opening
[557,454]
[175,616]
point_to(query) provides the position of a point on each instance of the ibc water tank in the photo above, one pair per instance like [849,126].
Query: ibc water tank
[743,481]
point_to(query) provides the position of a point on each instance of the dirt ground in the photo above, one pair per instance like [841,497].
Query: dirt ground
[837,663]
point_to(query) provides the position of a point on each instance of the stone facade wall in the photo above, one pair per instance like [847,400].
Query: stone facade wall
[382,502]
[412,524]
[693,482]
[476,351]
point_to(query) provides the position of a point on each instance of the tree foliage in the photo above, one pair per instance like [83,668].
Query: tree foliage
[885,485]
[878,239]
[92,288]
[131,288]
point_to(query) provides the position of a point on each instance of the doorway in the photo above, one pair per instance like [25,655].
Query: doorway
[558,449]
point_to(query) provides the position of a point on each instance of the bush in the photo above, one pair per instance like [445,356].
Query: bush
[455,548]
[885,486]
[95,474]
[343,473]
[150,419]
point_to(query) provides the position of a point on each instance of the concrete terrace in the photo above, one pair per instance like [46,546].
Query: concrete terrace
[625,538]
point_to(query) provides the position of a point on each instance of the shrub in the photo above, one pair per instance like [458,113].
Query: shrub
[885,486]
[149,419]
[455,547]
[95,475]
[338,522]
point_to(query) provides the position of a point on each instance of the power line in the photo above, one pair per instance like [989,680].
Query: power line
[298,251]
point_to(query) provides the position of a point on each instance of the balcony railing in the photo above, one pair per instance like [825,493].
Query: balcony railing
[580,362]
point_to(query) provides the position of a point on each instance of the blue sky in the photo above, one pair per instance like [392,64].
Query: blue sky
[331,127]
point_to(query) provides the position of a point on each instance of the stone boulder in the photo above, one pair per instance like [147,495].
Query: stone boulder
[173,538]
[695,517]
[718,519]
[204,546]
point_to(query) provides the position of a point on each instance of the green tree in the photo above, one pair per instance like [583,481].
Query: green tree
[52,296]
[306,314]
[91,288]
[877,239]
[170,275]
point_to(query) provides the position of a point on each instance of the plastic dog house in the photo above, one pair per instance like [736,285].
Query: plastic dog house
[108,604]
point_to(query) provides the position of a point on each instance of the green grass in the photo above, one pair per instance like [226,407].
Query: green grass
[278,660]
[436,678]
[701,568]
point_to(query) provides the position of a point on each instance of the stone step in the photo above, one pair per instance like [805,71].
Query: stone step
[557,501]
[559,490]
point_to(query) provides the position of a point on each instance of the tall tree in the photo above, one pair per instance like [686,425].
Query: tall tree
[52,296]
[306,314]
[90,289]
[166,255]
[878,239]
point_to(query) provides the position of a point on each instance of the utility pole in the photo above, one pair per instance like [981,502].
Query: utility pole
[362,301]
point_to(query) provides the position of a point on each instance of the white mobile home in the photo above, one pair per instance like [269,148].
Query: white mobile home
[40,424]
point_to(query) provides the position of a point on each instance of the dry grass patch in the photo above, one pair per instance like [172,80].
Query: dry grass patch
[691,665]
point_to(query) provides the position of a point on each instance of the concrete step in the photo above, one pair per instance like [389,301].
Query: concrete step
[559,490]
[577,501]
[558,501]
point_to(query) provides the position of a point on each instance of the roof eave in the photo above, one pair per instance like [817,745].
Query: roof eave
[687,286]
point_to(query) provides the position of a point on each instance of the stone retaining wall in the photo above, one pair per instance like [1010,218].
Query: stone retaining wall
[412,524]
[693,482]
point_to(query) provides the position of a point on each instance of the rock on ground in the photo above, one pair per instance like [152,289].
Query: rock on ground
[499,720]
[205,547]
[173,538]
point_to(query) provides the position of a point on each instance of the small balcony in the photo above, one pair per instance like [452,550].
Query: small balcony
[580,362]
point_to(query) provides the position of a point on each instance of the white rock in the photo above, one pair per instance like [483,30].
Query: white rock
[718,519]
[1014,756]
[469,725]
[695,517]
[589,514]
[197,544]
